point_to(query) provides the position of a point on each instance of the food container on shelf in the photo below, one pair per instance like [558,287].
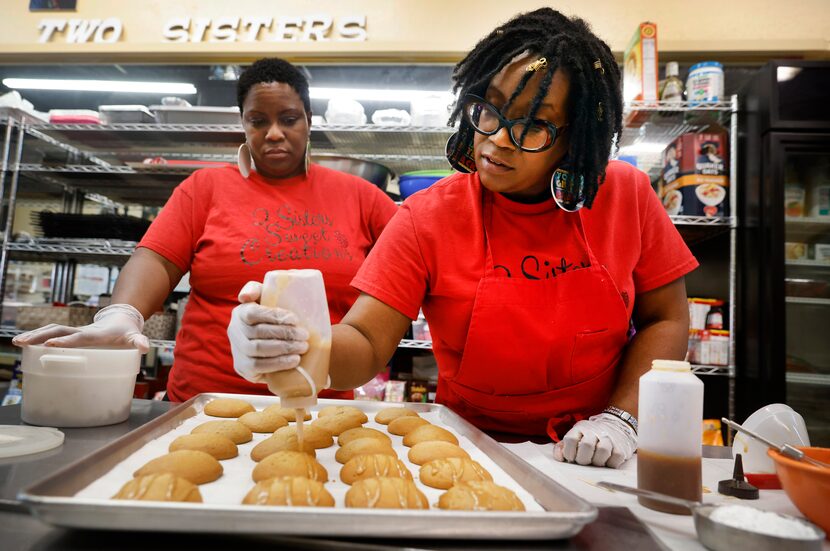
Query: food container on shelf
[32,316]
[77,387]
[160,326]
[74,116]
[345,111]
[808,486]
[391,117]
[432,110]
[411,182]
[185,114]
[126,114]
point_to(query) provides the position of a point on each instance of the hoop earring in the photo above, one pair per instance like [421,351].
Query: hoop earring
[244,160]
[307,154]
[567,188]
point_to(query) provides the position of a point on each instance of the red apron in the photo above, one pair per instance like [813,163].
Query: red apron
[540,354]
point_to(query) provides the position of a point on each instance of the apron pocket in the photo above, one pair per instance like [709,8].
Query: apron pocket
[587,358]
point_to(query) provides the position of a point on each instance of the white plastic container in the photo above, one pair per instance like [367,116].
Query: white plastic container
[670,434]
[77,387]
[777,422]
[303,293]
[705,82]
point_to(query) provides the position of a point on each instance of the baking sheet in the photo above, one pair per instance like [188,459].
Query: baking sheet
[79,495]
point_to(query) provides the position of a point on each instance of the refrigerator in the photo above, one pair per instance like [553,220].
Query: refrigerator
[783,243]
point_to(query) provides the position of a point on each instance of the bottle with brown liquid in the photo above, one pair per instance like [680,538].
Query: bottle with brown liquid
[303,293]
[670,434]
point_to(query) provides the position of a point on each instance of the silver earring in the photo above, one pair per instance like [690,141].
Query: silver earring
[307,154]
[244,160]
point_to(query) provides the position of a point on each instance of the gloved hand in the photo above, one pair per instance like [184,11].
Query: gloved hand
[117,325]
[264,340]
[603,440]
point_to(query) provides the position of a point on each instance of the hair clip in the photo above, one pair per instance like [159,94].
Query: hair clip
[599,111]
[599,67]
[499,32]
[540,63]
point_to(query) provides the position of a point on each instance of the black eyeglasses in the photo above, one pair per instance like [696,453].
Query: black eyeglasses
[531,135]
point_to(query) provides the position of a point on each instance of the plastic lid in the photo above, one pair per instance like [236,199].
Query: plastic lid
[672,69]
[703,64]
[670,365]
[16,440]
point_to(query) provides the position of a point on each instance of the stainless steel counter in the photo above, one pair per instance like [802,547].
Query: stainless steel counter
[616,527]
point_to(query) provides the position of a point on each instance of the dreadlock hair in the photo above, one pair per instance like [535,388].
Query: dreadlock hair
[272,69]
[566,43]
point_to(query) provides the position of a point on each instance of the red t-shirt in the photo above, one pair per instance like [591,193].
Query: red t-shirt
[432,254]
[228,230]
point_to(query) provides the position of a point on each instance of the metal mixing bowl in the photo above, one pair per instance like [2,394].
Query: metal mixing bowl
[368,170]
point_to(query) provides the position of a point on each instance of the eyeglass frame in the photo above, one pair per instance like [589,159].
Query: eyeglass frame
[510,123]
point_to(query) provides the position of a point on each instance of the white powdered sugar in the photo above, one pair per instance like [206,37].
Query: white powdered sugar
[762,522]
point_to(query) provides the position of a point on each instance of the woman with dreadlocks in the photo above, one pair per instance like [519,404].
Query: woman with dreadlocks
[550,277]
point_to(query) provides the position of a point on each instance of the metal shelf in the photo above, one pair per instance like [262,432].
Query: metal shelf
[725,370]
[405,343]
[818,379]
[809,301]
[80,250]
[9,333]
[807,229]
[677,106]
[808,263]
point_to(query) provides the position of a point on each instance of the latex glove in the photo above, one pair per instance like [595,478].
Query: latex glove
[117,325]
[264,340]
[603,440]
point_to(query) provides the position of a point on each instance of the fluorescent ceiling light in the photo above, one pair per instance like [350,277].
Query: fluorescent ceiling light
[101,85]
[366,94]
[643,148]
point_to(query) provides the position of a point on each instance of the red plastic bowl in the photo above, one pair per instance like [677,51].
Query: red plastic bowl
[806,485]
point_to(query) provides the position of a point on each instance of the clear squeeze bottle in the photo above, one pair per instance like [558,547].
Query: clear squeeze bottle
[303,293]
[670,434]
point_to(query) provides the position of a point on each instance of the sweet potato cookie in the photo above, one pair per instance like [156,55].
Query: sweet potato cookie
[195,466]
[342,410]
[386,493]
[385,416]
[363,446]
[372,466]
[289,463]
[236,431]
[446,473]
[480,496]
[160,487]
[317,437]
[263,421]
[429,433]
[434,449]
[228,407]
[361,432]
[289,490]
[406,424]
[285,442]
[340,421]
[220,447]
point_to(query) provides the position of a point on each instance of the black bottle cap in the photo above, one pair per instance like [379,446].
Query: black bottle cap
[737,486]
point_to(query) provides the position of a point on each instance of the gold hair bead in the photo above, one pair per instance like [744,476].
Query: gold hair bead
[540,63]
[599,67]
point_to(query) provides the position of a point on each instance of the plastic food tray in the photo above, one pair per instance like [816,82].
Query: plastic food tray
[79,495]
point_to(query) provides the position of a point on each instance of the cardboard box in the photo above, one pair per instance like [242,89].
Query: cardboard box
[695,179]
[640,73]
